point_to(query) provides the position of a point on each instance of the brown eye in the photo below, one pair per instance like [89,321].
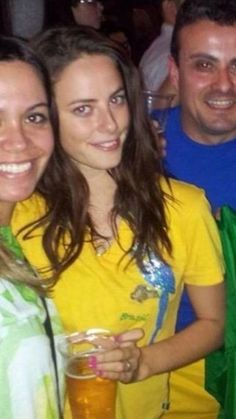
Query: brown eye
[233,67]
[118,99]
[37,118]
[82,110]
[203,65]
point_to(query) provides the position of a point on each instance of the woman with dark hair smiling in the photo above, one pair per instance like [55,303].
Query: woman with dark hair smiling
[138,237]
[27,375]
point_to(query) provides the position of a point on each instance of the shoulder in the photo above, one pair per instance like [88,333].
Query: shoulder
[189,217]
[28,211]
[181,190]
[184,197]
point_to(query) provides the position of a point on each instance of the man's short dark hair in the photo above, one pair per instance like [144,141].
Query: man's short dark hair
[222,12]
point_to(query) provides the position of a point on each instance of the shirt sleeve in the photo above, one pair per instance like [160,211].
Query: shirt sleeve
[204,261]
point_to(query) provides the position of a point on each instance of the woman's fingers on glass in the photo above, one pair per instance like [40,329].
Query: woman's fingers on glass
[133,335]
[120,364]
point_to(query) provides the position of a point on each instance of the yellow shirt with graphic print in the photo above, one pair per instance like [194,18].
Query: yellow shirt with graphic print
[101,291]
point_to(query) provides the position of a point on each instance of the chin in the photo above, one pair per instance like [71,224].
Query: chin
[20,195]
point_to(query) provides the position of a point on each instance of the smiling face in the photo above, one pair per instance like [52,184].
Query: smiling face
[93,113]
[26,139]
[206,79]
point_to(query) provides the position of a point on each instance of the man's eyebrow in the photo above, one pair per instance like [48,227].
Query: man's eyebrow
[204,56]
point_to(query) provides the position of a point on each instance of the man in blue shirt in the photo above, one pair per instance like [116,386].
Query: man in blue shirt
[211,166]
[201,132]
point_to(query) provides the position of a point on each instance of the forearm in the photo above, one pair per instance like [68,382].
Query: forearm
[187,346]
[129,363]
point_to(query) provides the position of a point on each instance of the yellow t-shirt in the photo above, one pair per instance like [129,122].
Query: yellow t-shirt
[97,291]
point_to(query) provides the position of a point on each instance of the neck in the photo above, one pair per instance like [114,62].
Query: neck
[207,138]
[203,133]
[102,192]
[6,210]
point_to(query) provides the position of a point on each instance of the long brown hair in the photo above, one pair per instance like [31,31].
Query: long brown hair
[139,199]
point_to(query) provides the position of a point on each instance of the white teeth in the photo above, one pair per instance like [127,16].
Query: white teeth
[108,144]
[15,168]
[222,102]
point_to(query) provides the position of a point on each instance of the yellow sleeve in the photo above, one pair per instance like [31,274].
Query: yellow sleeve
[204,259]
[197,257]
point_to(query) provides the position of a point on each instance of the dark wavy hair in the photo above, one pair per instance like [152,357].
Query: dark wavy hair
[222,12]
[139,198]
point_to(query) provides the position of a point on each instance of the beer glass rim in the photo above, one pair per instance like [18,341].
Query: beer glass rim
[97,338]
[160,95]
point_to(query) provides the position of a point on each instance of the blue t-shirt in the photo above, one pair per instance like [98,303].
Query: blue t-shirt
[211,167]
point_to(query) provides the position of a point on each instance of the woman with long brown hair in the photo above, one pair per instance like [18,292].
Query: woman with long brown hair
[133,238]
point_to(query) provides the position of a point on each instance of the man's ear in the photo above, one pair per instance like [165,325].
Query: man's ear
[173,72]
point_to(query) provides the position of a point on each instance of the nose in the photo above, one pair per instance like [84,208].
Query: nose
[14,138]
[224,80]
[107,122]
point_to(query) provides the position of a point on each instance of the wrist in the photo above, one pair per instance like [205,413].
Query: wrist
[144,370]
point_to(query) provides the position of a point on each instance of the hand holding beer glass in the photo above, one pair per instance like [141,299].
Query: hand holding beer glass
[90,397]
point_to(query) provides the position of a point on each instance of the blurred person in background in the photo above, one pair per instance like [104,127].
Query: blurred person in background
[87,12]
[118,34]
[22,18]
[154,62]
[147,22]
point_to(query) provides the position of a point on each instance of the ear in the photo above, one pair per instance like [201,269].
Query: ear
[173,72]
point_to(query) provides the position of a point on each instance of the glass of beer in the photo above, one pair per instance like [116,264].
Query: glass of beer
[90,397]
[159,103]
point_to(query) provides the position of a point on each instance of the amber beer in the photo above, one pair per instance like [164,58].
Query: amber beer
[90,397]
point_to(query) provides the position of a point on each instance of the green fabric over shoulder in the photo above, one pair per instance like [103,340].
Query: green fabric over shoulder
[221,364]
[10,241]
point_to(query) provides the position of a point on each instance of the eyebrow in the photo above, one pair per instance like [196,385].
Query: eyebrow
[31,108]
[203,55]
[89,100]
[119,90]
[37,105]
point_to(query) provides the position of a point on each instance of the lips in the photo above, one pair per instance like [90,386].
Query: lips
[110,145]
[15,168]
[223,103]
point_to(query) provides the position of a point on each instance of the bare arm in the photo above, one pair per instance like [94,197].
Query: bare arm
[202,337]
[194,342]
